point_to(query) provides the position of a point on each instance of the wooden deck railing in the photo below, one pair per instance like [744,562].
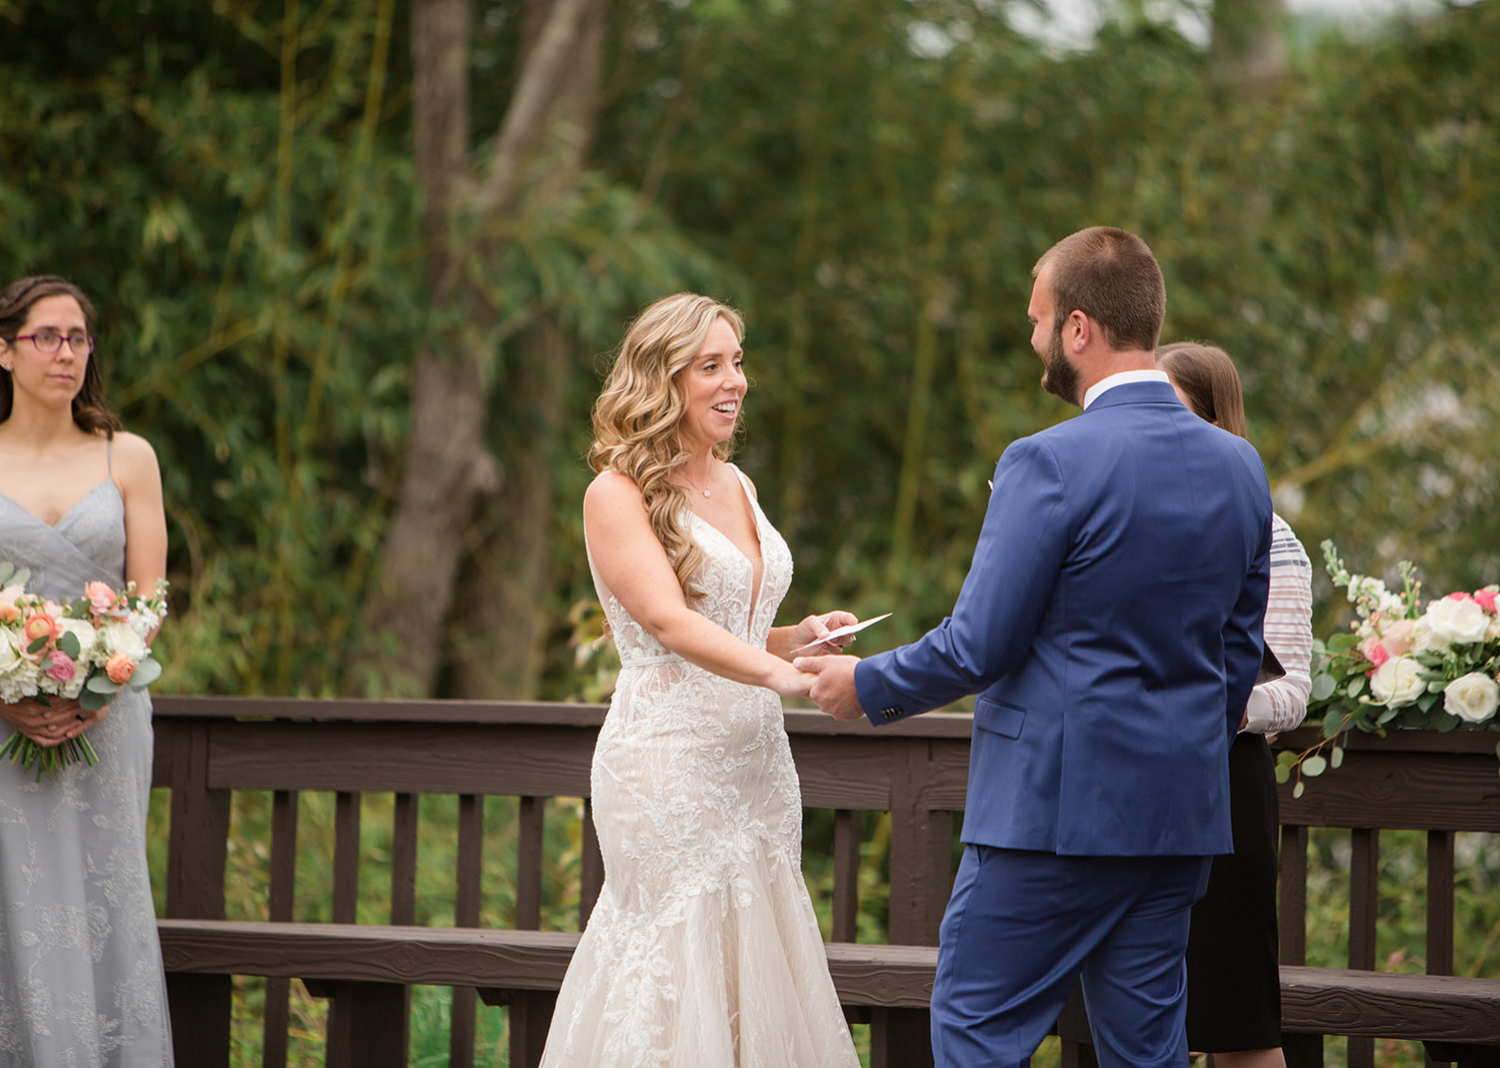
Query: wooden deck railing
[916,771]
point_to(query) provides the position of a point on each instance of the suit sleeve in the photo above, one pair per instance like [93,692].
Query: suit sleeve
[1244,635]
[1010,584]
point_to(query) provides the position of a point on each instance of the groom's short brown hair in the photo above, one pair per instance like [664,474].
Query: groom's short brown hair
[1111,276]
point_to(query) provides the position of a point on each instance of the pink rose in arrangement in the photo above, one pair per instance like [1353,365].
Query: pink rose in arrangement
[60,667]
[42,625]
[1458,596]
[100,597]
[119,668]
[1374,652]
[1399,637]
[1486,599]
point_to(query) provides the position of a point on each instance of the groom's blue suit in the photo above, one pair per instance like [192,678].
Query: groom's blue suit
[1111,623]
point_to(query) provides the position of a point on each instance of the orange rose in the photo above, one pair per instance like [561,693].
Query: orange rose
[42,625]
[119,668]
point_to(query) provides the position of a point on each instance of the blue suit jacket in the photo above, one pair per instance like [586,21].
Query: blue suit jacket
[1111,622]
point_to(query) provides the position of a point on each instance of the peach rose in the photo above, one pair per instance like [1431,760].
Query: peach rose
[41,625]
[100,596]
[119,668]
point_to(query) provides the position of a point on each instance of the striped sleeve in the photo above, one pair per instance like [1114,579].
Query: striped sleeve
[1281,704]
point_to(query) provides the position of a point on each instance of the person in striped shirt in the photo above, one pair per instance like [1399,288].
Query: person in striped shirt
[1234,987]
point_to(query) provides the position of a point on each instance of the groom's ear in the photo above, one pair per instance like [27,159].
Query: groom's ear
[1078,331]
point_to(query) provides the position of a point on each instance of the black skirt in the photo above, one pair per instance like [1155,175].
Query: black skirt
[1234,988]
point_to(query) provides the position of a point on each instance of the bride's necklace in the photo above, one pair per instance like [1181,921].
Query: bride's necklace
[692,485]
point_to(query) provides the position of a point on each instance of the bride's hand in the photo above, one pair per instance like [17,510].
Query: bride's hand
[813,628]
[50,724]
[789,682]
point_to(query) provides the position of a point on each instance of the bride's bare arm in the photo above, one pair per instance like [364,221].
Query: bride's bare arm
[635,567]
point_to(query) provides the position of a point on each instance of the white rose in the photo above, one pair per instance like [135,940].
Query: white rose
[121,638]
[10,656]
[1457,620]
[1425,639]
[87,637]
[1472,697]
[1398,682]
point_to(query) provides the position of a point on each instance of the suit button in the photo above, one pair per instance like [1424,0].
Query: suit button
[890,713]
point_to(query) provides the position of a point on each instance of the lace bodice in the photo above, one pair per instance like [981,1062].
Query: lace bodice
[727,578]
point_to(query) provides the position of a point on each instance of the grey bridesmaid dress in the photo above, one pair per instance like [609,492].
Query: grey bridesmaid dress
[81,982]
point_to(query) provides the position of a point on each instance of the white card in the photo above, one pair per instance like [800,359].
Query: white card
[852,628]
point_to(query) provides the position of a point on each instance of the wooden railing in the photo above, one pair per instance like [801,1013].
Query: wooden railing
[916,771]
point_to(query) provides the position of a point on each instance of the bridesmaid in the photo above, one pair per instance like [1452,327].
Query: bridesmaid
[1234,985]
[81,979]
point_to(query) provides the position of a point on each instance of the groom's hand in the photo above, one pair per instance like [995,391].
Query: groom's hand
[833,688]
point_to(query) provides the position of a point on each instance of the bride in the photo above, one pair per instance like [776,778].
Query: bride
[703,951]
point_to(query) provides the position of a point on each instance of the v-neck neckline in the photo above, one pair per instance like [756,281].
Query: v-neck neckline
[760,541]
[62,518]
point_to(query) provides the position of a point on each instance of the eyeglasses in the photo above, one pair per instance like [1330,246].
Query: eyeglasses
[49,341]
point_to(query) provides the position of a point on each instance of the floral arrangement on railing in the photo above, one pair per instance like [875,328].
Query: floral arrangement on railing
[1400,665]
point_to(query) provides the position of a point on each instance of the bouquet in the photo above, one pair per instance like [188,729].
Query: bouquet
[1401,665]
[87,649]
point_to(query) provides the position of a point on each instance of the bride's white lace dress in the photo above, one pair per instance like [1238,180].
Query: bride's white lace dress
[703,951]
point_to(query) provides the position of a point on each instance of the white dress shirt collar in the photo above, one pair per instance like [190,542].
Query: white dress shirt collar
[1120,378]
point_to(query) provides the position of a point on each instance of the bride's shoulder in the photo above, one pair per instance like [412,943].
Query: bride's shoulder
[613,492]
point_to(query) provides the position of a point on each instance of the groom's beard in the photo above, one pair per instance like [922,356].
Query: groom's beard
[1059,377]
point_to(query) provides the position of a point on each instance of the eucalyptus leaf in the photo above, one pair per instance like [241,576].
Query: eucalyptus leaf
[1356,686]
[1314,766]
[1323,687]
[101,683]
[146,672]
[1299,789]
[37,645]
[93,700]
[1337,759]
[68,643]
[7,569]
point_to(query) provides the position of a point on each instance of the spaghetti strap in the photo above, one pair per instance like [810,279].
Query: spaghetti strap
[109,456]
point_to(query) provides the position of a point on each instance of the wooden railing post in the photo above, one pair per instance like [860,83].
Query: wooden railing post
[921,878]
[196,852]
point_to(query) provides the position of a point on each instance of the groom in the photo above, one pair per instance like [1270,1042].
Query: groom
[1111,624]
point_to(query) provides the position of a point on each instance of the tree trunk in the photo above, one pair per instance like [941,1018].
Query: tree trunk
[448,469]
[503,618]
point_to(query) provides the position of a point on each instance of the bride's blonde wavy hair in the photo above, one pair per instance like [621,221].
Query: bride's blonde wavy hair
[637,415]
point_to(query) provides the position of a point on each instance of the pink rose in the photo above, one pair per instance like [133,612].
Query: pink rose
[1486,599]
[1400,637]
[1458,597]
[1374,652]
[100,596]
[119,668]
[60,667]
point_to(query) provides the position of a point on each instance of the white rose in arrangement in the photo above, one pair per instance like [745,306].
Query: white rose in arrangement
[1398,682]
[1425,639]
[1457,619]
[85,633]
[1472,697]
[121,638]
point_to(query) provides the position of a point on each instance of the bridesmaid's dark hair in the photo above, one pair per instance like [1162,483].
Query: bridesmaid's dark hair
[90,411]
